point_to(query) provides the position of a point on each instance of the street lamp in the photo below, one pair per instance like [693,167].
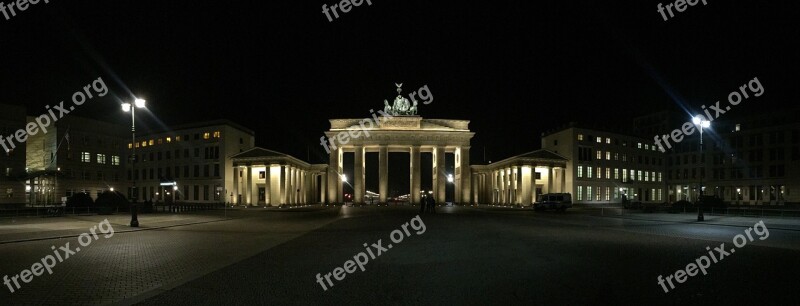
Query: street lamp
[701,124]
[127,107]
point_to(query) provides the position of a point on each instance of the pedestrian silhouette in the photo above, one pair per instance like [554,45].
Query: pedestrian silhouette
[422,204]
[431,205]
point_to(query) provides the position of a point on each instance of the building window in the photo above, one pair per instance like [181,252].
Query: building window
[86,157]
[115,160]
[580,137]
[262,175]
[624,175]
[599,139]
[639,145]
[608,193]
[599,155]
[196,170]
[616,173]
[608,155]
[196,192]
[608,173]
[216,134]
[205,170]
[608,140]
[206,135]
[589,172]
[205,192]
[597,194]
[599,172]
[580,193]
[538,175]
[580,171]
[101,159]
[216,170]
[588,193]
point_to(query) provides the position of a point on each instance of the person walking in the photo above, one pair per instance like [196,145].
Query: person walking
[422,204]
[431,205]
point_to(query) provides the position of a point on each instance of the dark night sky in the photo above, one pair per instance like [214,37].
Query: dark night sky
[514,68]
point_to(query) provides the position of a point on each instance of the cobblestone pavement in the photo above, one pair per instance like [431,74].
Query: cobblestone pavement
[134,263]
[478,257]
[472,256]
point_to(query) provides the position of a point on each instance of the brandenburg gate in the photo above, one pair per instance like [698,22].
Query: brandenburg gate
[400,129]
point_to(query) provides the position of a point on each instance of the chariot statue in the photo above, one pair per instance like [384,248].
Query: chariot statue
[401,106]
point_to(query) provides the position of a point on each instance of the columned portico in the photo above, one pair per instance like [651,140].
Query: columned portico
[412,135]
[284,179]
[514,181]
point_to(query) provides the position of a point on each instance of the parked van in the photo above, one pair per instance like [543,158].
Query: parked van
[557,201]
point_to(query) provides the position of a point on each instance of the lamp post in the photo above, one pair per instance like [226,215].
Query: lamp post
[701,124]
[127,107]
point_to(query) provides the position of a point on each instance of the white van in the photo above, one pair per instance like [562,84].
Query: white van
[557,201]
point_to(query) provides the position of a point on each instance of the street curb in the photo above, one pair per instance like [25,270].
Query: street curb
[694,222]
[117,232]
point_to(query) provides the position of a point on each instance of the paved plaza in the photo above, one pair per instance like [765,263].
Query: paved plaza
[466,255]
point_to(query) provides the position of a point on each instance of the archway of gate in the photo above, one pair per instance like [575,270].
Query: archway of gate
[411,135]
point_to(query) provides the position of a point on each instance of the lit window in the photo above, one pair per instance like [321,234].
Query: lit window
[216,134]
[738,127]
[639,175]
[639,145]
[608,155]
[151,142]
[589,172]
[169,139]
[160,141]
[608,173]
[646,176]
[624,175]
[608,193]
[659,178]
[599,172]
[206,135]
[177,138]
[597,194]
[86,157]
[588,193]
[616,156]
[608,140]
[646,146]
[599,139]
[580,171]
[580,137]
[130,145]
[599,155]
[101,158]
[115,160]
[616,173]
[580,193]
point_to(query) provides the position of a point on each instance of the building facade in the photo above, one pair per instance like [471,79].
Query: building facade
[188,163]
[607,167]
[12,159]
[75,155]
[752,161]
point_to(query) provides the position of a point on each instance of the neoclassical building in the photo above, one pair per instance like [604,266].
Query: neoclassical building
[267,178]
[410,134]
[518,180]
